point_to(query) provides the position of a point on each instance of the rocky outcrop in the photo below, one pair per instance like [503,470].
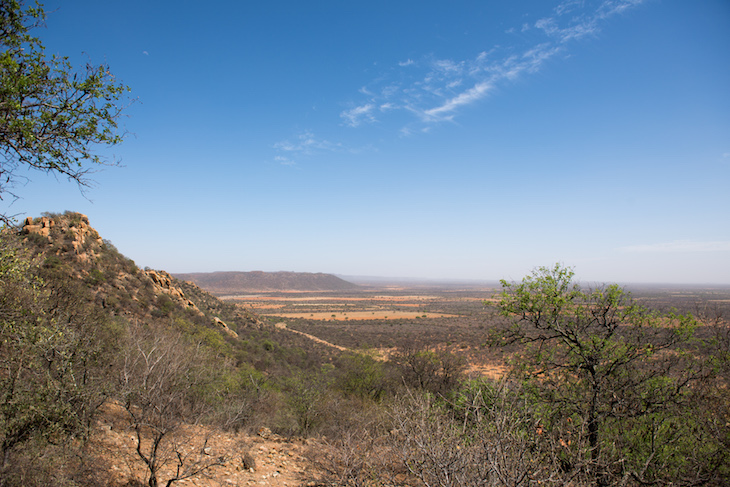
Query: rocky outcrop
[164,284]
[221,324]
[69,232]
[41,227]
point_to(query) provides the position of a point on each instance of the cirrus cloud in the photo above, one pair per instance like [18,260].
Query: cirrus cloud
[436,90]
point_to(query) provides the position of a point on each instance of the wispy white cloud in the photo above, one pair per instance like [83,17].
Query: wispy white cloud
[679,246]
[568,6]
[609,8]
[426,91]
[435,90]
[358,115]
[304,144]
[465,98]
[284,161]
[567,33]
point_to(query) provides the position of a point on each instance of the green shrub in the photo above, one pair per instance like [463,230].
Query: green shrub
[95,277]
[360,375]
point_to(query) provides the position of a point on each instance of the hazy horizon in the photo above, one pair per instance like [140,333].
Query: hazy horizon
[446,280]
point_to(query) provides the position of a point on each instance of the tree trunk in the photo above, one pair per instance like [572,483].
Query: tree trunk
[594,440]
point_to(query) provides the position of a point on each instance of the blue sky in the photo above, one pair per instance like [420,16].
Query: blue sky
[464,140]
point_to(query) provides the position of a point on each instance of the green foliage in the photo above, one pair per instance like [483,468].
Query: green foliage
[28,407]
[52,116]
[51,353]
[307,398]
[52,262]
[612,375]
[361,375]
[95,277]
[604,391]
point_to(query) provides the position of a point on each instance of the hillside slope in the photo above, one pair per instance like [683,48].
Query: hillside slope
[84,331]
[69,248]
[220,283]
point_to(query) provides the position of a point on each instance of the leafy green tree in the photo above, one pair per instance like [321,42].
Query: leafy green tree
[612,374]
[310,399]
[51,116]
[361,375]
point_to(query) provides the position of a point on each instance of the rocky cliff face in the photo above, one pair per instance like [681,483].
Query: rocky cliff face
[163,283]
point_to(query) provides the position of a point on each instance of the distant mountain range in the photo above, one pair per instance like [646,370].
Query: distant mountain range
[220,283]
[421,282]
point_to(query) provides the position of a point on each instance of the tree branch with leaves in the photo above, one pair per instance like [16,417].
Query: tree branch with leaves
[52,118]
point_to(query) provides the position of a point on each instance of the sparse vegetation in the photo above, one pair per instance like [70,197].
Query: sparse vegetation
[404,404]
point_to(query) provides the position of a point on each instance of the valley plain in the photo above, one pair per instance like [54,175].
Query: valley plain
[385,318]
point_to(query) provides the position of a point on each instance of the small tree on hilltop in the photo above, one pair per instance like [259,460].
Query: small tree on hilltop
[609,371]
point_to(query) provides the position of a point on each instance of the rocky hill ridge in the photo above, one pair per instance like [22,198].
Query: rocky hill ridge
[221,283]
[68,242]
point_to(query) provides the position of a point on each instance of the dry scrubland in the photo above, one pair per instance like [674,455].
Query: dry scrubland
[120,376]
[381,320]
[573,394]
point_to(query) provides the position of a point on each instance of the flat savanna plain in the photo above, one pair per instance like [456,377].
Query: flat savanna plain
[383,320]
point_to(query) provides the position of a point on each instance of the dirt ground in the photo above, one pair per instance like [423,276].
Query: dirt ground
[237,459]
